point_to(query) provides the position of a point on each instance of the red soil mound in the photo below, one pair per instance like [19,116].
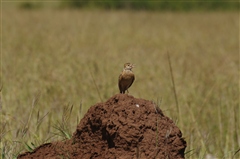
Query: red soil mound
[123,127]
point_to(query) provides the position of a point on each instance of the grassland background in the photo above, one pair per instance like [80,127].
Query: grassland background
[48,56]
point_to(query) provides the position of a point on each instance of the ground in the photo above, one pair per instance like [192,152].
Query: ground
[122,127]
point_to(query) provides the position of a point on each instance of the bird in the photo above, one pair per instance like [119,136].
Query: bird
[126,78]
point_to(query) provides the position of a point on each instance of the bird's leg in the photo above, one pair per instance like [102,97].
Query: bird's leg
[127,91]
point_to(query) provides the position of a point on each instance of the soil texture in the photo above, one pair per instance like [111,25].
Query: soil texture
[123,127]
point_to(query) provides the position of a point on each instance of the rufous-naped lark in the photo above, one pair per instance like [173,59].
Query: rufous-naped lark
[126,78]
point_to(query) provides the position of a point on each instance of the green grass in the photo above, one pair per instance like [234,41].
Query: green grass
[48,57]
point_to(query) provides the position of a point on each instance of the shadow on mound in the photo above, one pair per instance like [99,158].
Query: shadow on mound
[123,127]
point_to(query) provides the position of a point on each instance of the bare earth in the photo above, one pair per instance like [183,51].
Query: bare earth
[122,127]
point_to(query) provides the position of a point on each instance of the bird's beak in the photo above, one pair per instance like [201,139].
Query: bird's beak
[133,65]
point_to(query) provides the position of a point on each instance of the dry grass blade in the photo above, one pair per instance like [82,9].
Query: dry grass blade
[67,111]
[34,103]
[197,128]
[235,153]
[40,120]
[63,131]
[173,85]
[1,98]
[29,147]
[63,126]
[189,151]
[98,91]
[3,130]
[79,115]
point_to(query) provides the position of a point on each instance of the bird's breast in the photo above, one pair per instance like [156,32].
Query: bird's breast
[127,75]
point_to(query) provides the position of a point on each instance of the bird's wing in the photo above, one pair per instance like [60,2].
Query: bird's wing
[119,79]
[133,78]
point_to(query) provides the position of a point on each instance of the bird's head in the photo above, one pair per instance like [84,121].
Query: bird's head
[128,66]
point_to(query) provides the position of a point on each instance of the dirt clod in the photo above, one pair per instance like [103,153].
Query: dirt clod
[123,127]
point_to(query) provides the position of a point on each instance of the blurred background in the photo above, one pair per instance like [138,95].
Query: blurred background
[163,5]
[59,58]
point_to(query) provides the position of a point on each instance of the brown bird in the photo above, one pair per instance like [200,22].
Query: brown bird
[126,78]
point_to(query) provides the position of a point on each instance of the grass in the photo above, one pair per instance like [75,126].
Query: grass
[60,62]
